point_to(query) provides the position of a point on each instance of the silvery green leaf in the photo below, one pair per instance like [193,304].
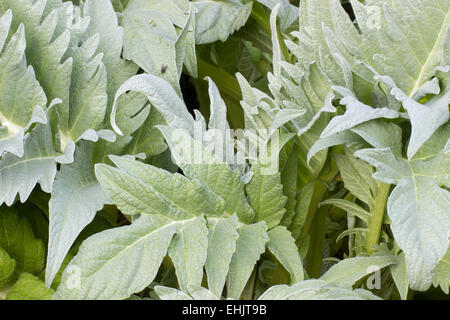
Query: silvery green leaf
[446,55]
[222,237]
[103,20]
[284,116]
[303,198]
[148,139]
[88,96]
[75,199]
[348,271]
[288,13]
[185,46]
[17,103]
[430,87]
[276,49]
[11,143]
[195,293]
[183,195]
[381,134]
[282,245]
[425,118]
[218,128]
[116,263]
[418,208]
[312,95]
[217,20]
[249,247]
[48,30]
[265,193]
[133,110]
[226,183]
[314,289]
[188,251]
[161,96]
[150,41]
[328,37]
[403,39]
[14,144]
[398,272]
[166,293]
[435,147]
[356,113]
[442,273]
[357,177]
[218,117]
[251,96]
[200,293]
[93,136]
[256,105]
[137,188]
[217,177]
[389,168]
[19,175]
[346,137]
[67,65]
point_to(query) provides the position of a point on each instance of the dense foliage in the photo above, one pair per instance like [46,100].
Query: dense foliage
[104,104]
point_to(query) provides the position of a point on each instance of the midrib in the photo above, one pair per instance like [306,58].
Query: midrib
[12,127]
[443,30]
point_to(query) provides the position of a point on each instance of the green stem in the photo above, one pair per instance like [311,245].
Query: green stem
[376,216]
[315,252]
[315,224]
[320,189]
